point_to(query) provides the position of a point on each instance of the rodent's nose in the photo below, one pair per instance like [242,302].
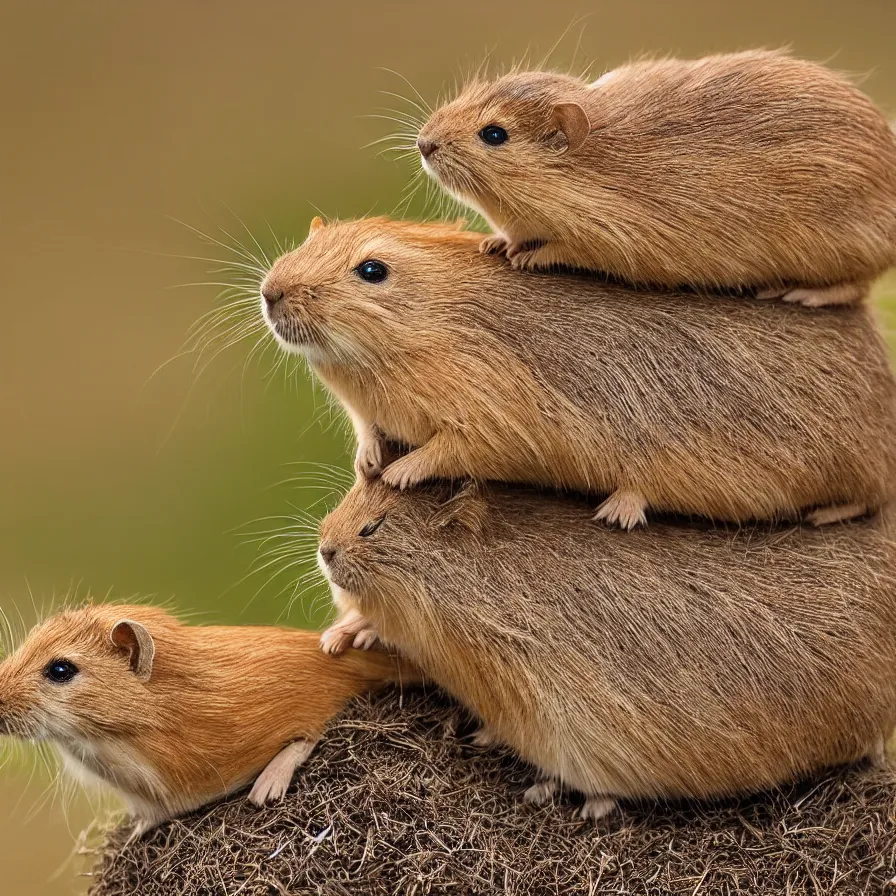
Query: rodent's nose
[271,295]
[328,553]
[426,147]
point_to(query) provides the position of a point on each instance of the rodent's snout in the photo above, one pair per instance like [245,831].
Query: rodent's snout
[271,295]
[328,553]
[426,147]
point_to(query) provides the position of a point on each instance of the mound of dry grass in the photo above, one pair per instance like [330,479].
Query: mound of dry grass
[395,801]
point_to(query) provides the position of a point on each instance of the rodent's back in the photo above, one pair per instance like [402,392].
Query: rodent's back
[228,698]
[733,408]
[670,661]
[757,168]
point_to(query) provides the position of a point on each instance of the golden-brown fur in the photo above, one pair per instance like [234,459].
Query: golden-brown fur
[730,408]
[751,169]
[674,661]
[220,703]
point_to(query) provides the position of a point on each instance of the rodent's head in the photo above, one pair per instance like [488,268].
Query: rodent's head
[379,539]
[357,289]
[479,144]
[79,676]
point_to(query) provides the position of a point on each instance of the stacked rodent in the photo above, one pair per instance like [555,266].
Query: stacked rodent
[678,661]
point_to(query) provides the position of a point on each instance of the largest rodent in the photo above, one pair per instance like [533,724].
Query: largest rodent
[674,662]
[729,408]
[173,716]
[752,169]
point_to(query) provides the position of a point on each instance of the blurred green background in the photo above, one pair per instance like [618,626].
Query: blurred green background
[119,117]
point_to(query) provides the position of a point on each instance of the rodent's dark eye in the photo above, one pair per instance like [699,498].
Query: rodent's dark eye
[372,271]
[372,526]
[60,671]
[493,134]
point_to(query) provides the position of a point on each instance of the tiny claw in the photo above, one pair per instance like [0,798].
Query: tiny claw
[401,475]
[483,737]
[623,508]
[334,640]
[494,245]
[541,792]
[369,457]
[596,807]
[365,639]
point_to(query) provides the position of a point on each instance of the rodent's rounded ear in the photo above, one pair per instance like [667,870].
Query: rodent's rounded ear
[134,639]
[464,505]
[316,223]
[572,120]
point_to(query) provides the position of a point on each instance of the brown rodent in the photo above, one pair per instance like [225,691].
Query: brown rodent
[675,662]
[173,716]
[749,169]
[729,408]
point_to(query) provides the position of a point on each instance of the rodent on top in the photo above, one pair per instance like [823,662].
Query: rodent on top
[750,169]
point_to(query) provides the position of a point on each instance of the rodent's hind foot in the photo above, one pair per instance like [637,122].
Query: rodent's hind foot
[819,297]
[483,736]
[624,508]
[596,807]
[877,755]
[352,629]
[494,245]
[838,513]
[541,792]
[274,781]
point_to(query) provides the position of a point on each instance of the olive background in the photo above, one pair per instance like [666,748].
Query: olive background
[120,120]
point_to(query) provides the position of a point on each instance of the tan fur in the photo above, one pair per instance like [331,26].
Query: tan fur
[734,409]
[749,169]
[221,702]
[674,661]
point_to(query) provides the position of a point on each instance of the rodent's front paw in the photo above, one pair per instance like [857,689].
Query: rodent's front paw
[273,782]
[350,630]
[365,639]
[494,245]
[369,458]
[268,788]
[336,639]
[403,473]
[529,258]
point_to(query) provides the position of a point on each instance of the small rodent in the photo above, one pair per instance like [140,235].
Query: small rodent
[730,408]
[740,170]
[174,716]
[676,662]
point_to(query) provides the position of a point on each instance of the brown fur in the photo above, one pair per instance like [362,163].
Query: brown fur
[675,661]
[730,408]
[220,703]
[751,169]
